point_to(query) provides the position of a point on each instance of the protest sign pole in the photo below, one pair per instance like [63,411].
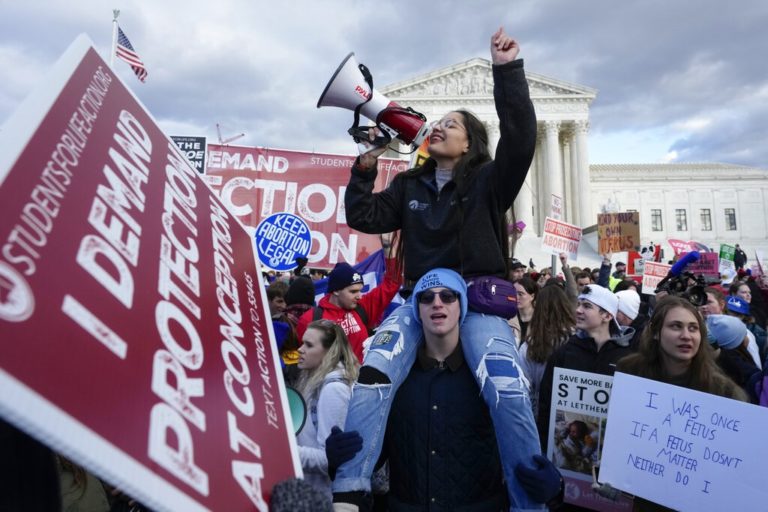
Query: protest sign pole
[113,49]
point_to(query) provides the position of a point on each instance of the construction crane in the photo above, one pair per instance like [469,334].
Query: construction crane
[226,141]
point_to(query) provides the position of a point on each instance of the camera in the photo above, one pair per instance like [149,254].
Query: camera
[686,285]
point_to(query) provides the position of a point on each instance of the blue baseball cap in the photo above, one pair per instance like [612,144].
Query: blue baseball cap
[737,305]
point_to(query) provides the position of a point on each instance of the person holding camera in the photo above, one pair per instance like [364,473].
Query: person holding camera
[451,213]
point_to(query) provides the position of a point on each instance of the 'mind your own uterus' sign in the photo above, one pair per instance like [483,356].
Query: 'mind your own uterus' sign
[685,449]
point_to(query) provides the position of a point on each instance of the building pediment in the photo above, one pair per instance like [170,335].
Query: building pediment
[473,78]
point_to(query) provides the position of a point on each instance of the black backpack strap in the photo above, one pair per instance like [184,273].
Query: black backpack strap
[317,313]
[364,317]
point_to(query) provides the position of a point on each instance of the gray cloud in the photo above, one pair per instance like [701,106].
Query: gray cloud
[657,65]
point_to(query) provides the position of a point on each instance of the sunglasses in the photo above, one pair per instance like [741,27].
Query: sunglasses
[446,297]
[447,123]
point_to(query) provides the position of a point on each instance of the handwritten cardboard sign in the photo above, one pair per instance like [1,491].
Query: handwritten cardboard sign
[684,449]
[618,232]
[576,431]
[560,237]
[653,273]
[135,336]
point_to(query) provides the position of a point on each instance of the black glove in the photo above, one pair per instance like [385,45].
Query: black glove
[340,447]
[542,482]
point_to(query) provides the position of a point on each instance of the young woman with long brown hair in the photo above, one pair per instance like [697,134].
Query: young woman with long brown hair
[552,323]
[674,349]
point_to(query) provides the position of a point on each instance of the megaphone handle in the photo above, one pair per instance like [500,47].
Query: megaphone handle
[360,136]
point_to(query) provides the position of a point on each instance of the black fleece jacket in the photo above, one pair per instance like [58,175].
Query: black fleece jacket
[434,233]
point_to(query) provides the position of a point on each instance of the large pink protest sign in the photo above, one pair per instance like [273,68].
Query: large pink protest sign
[708,264]
[134,333]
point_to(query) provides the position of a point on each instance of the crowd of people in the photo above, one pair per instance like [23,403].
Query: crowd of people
[451,406]
[444,403]
[439,442]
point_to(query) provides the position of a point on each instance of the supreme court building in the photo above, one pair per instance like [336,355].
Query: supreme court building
[711,203]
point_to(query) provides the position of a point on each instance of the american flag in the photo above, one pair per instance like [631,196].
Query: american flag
[126,52]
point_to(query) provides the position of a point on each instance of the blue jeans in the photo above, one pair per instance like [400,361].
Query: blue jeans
[489,349]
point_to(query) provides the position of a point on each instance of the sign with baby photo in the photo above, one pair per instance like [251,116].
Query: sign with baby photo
[576,430]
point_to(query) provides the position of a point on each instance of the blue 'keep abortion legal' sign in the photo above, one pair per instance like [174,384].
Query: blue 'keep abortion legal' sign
[280,239]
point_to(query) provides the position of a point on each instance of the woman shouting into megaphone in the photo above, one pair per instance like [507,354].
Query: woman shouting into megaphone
[451,213]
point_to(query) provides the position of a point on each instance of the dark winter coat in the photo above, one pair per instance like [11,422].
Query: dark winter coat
[440,442]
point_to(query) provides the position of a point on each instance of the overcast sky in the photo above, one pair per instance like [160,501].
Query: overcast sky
[682,81]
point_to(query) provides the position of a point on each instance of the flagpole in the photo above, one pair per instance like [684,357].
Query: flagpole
[115,13]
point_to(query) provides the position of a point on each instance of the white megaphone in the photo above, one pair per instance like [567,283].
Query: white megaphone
[351,87]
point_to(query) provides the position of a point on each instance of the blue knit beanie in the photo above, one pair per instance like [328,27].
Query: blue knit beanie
[728,331]
[341,276]
[441,278]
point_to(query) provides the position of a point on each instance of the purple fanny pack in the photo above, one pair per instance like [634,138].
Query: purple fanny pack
[492,295]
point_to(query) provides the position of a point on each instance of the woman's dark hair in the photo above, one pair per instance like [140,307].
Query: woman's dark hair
[530,286]
[552,323]
[555,281]
[704,374]
[626,284]
[717,294]
[477,155]
[733,290]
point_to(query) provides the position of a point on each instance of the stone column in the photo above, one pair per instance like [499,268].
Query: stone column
[553,184]
[573,176]
[539,208]
[567,150]
[585,206]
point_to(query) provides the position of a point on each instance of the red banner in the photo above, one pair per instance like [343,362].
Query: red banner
[254,183]
[134,331]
